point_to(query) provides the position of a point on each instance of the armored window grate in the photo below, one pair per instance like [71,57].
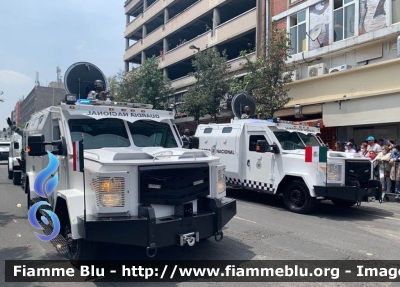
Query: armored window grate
[109,189]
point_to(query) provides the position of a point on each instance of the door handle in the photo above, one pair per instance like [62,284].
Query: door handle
[248,162]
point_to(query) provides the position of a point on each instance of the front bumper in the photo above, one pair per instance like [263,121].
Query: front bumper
[351,193]
[148,231]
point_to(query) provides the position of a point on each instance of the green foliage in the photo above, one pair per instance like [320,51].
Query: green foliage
[113,85]
[210,71]
[264,80]
[146,84]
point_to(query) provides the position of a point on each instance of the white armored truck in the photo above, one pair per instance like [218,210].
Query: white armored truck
[269,156]
[14,159]
[138,186]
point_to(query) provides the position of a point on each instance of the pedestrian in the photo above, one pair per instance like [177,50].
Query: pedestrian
[354,145]
[350,148]
[372,145]
[384,170]
[338,146]
[395,169]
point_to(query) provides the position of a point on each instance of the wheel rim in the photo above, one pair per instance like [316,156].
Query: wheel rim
[297,197]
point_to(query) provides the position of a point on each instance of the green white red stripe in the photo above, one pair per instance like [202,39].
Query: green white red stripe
[77,156]
[316,153]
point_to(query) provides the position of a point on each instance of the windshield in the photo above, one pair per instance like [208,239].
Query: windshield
[150,133]
[99,133]
[294,140]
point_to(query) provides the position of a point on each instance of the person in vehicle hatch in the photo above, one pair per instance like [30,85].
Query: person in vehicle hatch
[246,113]
[186,138]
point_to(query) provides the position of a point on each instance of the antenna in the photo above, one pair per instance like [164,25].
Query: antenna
[37,79]
[314,33]
[58,71]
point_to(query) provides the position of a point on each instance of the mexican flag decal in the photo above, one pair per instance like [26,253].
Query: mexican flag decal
[316,153]
[77,156]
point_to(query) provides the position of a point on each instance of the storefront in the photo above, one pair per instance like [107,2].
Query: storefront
[357,119]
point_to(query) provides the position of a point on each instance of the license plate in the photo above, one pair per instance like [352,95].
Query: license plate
[371,199]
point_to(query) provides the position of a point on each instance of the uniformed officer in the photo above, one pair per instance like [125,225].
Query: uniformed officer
[246,114]
[13,127]
[186,138]
[99,89]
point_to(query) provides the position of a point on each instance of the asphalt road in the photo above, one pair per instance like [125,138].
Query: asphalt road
[262,229]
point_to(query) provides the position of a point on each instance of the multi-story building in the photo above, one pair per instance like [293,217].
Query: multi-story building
[347,66]
[38,99]
[17,113]
[174,30]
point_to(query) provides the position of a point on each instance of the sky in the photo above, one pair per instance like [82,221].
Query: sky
[38,36]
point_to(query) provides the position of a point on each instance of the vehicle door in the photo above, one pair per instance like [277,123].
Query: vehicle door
[226,148]
[259,166]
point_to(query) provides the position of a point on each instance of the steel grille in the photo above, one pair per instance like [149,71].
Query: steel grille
[173,184]
[110,191]
[359,171]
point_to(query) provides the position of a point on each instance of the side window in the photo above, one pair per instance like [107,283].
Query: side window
[226,130]
[253,141]
[208,130]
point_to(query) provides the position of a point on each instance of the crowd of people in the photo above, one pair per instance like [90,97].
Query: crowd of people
[385,154]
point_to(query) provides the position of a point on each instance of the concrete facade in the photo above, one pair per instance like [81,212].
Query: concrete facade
[168,28]
[358,97]
[38,99]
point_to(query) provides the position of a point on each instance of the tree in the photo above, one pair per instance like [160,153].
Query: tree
[265,80]
[210,71]
[113,86]
[126,86]
[146,84]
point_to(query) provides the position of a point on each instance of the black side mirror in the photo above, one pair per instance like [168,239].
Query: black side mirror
[194,142]
[36,145]
[262,146]
[16,145]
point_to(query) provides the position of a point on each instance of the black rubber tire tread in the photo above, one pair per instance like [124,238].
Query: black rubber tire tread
[309,204]
[17,178]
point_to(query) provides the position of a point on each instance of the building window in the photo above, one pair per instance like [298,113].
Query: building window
[343,19]
[298,28]
[395,11]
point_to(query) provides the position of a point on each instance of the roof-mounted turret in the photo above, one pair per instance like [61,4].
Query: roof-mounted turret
[243,106]
[79,79]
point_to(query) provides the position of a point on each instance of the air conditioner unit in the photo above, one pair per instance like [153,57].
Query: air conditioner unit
[295,75]
[339,68]
[316,70]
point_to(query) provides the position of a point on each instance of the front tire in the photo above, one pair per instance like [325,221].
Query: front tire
[17,178]
[10,174]
[80,249]
[343,203]
[297,198]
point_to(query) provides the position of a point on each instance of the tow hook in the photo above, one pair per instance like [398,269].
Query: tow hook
[217,234]
[189,238]
[153,249]
[371,199]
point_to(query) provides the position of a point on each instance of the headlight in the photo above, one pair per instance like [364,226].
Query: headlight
[221,183]
[334,172]
[217,183]
[110,191]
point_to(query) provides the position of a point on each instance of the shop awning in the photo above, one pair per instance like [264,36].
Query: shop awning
[365,111]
